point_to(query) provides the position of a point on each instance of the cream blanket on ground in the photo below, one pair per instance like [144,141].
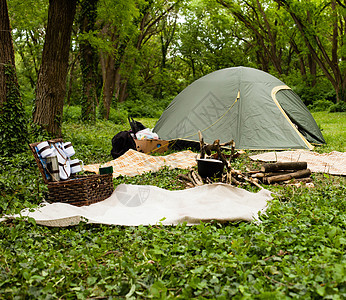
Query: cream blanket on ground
[133,205]
[333,163]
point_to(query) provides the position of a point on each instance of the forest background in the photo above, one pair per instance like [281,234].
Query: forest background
[133,57]
[79,68]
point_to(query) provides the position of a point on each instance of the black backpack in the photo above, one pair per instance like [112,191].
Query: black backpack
[122,142]
[135,125]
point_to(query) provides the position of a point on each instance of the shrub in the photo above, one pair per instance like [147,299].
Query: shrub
[310,95]
[320,105]
[72,113]
[338,107]
[118,115]
[145,106]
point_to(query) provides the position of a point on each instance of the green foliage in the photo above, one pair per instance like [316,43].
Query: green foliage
[19,187]
[28,19]
[118,115]
[13,122]
[141,104]
[164,178]
[310,93]
[73,114]
[92,142]
[320,105]
[297,251]
[338,107]
[88,60]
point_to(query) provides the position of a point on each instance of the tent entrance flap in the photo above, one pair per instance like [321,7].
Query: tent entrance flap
[273,93]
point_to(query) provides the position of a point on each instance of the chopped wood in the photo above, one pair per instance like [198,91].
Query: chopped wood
[257,175]
[304,180]
[189,185]
[232,150]
[261,175]
[252,171]
[191,179]
[236,172]
[301,165]
[269,173]
[206,149]
[235,181]
[279,178]
[279,173]
[201,144]
[228,178]
[197,179]
[253,181]
[208,180]
[184,177]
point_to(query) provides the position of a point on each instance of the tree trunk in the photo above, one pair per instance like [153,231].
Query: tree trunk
[300,56]
[88,61]
[6,49]
[111,70]
[108,76]
[12,138]
[51,82]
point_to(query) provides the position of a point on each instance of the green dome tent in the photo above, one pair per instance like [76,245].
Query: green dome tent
[249,106]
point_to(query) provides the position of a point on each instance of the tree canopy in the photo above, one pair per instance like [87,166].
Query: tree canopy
[133,53]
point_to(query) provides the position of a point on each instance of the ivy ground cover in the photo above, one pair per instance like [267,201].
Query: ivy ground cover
[296,252]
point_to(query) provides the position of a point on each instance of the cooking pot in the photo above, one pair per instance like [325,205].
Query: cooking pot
[208,167]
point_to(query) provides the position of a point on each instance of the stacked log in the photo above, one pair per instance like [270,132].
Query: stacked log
[283,171]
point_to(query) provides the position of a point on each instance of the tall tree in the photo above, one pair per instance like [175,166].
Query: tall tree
[51,83]
[167,33]
[326,46]
[116,28]
[88,59]
[119,62]
[152,13]
[29,19]
[12,118]
[208,39]
[261,22]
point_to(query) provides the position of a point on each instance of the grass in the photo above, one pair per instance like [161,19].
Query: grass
[333,126]
[297,251]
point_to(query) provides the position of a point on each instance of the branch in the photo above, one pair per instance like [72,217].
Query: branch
[304,34]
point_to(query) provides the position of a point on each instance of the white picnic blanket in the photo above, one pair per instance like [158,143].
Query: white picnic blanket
[333,163]
[133,205]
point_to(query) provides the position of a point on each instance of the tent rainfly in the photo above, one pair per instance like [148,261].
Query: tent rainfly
[249,106]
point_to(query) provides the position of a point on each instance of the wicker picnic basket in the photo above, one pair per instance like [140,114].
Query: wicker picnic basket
[78,190]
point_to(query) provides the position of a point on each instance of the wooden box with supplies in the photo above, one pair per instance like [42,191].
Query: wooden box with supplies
[60,173]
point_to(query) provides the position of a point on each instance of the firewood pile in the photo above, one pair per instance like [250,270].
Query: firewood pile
[269,173]
[283,172]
